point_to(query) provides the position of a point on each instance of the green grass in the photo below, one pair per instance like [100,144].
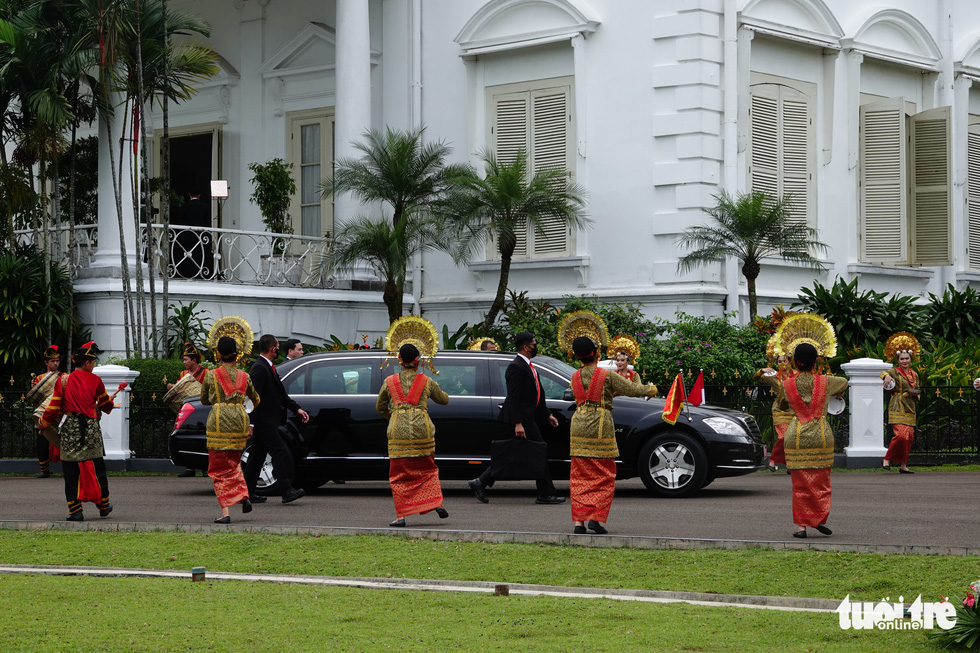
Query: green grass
[59,613]
[829,575]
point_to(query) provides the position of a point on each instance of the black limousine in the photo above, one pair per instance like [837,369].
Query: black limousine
[345,438]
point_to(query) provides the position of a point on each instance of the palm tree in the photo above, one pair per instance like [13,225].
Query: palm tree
[501,205]
[411,178]
[750,227]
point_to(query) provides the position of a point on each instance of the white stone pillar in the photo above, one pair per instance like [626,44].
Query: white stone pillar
[353,103]
[115,425]
[867,435]
[108,254]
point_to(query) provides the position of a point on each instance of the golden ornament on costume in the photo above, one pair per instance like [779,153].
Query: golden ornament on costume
[771,349]
[582,323]
[235,328]
[477,344]
[809,328]
[623,343]
[412,330]
[899,342]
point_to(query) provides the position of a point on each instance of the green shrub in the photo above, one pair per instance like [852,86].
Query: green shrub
[955,316]
[152,372]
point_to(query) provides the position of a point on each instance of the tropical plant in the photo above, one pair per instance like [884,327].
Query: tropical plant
[861,317]
[955,316]
[749,227]
[500,207]
[410,179]
[186,325]
[273,191]
[27,302]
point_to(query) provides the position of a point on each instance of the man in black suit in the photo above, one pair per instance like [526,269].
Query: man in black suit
[524,408]
[267,417]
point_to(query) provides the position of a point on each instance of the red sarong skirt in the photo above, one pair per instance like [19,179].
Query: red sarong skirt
[811,496]
[88,483]
[415,485]
[592,484]
[225,470]
[901,444]
[778,455]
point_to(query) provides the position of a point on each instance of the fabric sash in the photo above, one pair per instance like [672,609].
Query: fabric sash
[814,410]
[414,392]
[228,385]
[596,383]
[43,388]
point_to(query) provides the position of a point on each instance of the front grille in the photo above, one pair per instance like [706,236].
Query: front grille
[753,428]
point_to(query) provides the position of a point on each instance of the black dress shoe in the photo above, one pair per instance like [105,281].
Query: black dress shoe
[905,471]
[223,520]
[258,499]
[442,512]
[104,512]
[187,473]
[292,495]
[597,527]
[887,468]
[477,488]
[398,523]
[76,516]
[799,534]
[772,468]
[579,530]
[246,506]
[550,500]
[823,529]
[44,475]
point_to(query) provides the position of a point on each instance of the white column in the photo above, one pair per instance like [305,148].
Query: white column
[115,425]
[242,214]
[353,104]
[867,436]
[108,254]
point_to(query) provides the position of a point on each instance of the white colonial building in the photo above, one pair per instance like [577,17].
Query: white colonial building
[866,111]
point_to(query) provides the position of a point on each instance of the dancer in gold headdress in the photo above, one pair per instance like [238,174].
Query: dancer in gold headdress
[904,385]
[624,349]
[773,376]
[593,434]
[809,439]
[403,399]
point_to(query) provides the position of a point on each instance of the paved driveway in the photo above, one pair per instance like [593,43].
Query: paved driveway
[928,509]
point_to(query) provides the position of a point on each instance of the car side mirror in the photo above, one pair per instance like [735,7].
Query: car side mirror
[569,395]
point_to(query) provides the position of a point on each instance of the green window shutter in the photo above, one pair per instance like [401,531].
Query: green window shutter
[973,197]
[550,150]
[883,182]
[931,183]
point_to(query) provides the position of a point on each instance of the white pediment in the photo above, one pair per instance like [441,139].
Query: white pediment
[508,24]
[227,74]
[970,63]
[894,35]
[312,49]
[804,20]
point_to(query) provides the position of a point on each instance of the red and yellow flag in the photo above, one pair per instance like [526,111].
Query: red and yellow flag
[675,400]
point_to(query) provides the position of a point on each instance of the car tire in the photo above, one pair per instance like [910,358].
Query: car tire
[673,465]
[267,483]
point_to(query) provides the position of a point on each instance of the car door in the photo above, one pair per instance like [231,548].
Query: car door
[345,435]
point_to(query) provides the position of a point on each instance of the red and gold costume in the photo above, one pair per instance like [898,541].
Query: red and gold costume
[782,414]
[901,413]
[40,394]
[80,397]
[225,390]
[593,439]
[809,444]
[413,474]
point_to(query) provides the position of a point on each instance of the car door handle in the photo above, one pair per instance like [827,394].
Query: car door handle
[499,406]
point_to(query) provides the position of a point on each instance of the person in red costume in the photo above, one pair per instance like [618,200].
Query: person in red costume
[79,398]
[39,395]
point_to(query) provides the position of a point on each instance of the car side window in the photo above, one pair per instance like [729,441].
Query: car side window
[341,377]
[457,379]
[553,385]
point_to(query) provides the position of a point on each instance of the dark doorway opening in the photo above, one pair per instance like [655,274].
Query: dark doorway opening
[192,251]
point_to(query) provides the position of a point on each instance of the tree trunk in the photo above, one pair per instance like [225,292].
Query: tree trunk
[499,299]
[750,270]
[165,192]
[392,298]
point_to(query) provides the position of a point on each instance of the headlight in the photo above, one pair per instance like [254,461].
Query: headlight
[728,427]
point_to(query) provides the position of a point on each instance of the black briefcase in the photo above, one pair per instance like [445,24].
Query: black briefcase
[518,459]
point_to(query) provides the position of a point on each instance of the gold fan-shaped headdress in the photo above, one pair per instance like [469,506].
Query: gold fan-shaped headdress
[412,330]
[236,328]
[623,343]
[771,354]
[809,328]
[582,323]
[477,344]
[903,341]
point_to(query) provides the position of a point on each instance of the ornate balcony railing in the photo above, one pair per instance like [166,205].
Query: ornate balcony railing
[209,254]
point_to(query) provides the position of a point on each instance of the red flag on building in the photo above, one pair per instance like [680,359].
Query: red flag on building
[675,400]
[696,397]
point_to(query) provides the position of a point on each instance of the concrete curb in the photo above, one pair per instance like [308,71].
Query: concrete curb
[496,537]
[787,603]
